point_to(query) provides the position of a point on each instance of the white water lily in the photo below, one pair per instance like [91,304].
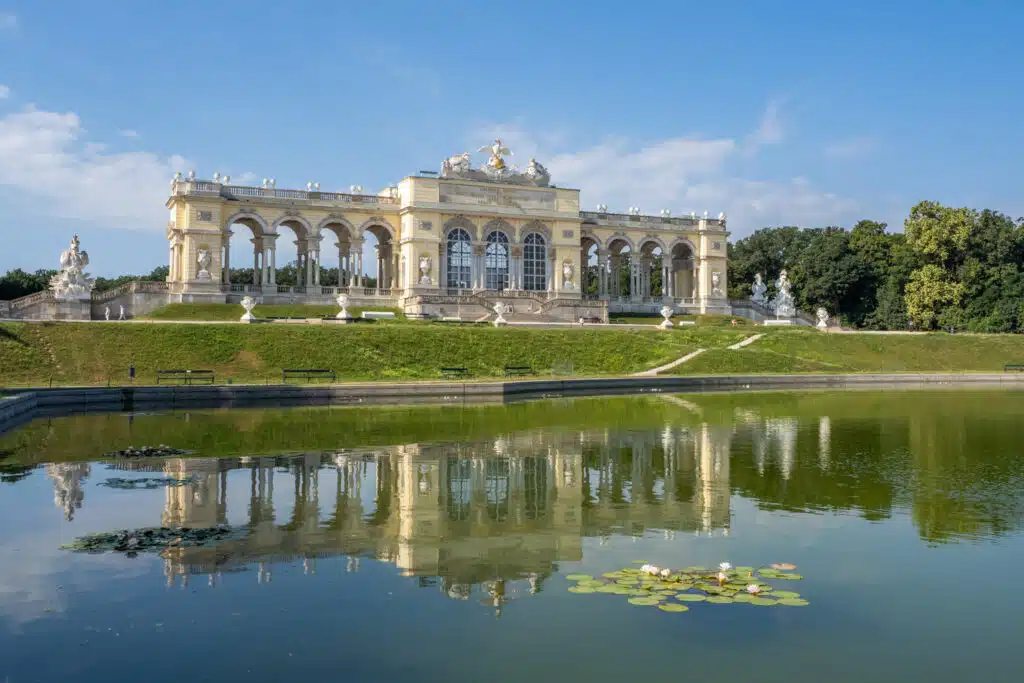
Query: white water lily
[650,569]
[722,577]
[725,566]
[753,589]
[665,573]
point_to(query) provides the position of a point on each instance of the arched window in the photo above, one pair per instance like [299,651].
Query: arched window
[497,261]
[535,256]
[459,256]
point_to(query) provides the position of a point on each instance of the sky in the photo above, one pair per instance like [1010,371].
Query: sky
[777,113]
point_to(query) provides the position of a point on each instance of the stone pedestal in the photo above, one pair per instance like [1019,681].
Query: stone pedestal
[779,322]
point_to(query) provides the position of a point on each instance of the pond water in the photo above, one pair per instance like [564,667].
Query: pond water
[433,543]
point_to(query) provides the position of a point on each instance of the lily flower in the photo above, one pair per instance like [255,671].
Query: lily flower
[722,577]
[753,589]
[725,566]
[665,573]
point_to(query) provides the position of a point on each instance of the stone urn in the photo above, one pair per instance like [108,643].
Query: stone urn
[248,303]
[343,302]
[501,309]
[822,316]
[666,313]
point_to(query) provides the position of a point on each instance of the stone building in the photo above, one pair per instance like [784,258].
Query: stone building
[464,238]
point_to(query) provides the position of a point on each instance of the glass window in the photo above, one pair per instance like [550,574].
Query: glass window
[460,258]
[497,261]
[535,256]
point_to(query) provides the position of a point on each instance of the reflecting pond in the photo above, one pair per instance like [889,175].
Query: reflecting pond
[434,543]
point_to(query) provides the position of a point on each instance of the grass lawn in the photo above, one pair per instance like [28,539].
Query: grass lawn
[93,353]
[806,350]
[230,312]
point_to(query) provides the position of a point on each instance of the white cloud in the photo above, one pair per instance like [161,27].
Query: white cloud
[8,20]
[45,156]
[5,92]
[770,131]
[129,133]
[852,148]
[683,174]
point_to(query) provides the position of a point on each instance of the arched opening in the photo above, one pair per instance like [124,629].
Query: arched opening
[590,268]
[683,272]
[245,235]
[653,271]
[458,260]
[535,263]
[620,269]
[337,238]
[496,261]
[291,257]
[379,257]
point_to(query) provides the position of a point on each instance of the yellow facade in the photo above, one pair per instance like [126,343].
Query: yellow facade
[443,241]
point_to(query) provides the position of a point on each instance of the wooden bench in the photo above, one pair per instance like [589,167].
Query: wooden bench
[185,376]
[518,370]
[307,374]
[454,373]
[1019,367]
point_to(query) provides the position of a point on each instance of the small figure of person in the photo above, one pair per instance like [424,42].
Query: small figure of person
[106,313]
[121,315]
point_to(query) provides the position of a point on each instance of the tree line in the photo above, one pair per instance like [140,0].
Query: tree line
[951,268]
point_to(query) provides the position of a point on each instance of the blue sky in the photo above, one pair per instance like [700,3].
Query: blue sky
[774,112]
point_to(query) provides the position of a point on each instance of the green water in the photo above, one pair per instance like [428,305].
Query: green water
[422,544]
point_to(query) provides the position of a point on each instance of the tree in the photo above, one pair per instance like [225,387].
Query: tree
[830,274]
[940,234]
[929,293]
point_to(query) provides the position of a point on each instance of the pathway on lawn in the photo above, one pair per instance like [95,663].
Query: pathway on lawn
[669,366]
[748,340]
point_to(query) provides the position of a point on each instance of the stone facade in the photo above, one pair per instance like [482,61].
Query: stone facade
[459,242]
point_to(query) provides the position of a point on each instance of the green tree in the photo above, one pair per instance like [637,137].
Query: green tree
[929,293]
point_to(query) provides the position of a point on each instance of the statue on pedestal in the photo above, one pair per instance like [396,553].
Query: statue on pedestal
[758,289]
[822,316]
[425,265]
[783,302]
[72,282]
[203,259]
[568,270]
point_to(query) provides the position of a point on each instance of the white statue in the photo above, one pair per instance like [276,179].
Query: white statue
[72,282]
[536,172]
[343,300]
[248,303]
[501,308]
[497,150]
[716,284]
[425,265]
[122,314]
[666,313]
[204,259]
[783,302]
[567,275]
[454,166]
[106,312]
[758,289]
[822,315]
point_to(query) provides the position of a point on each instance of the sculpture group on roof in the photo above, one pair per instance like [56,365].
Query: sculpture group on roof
[496,170]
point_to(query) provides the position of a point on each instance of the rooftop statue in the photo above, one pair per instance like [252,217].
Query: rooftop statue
[495,170]
[71,281]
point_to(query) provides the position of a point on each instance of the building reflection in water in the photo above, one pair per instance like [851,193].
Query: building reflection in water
[474,515]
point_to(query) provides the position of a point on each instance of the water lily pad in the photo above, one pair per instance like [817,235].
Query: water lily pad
[627,582]
[690,597]
[643,601]
[742,597]
[743,571]
[719,600]
[683,585]
[696,569]
[711,589]
[673,607]
[578,577]
[785,595]
[613,575]
[580,589]
[763,602]
[610,588]
[793,602]
[788,577]
[639,561]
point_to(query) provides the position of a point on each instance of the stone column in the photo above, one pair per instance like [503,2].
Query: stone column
[226,261]
[666,275]
[257,267]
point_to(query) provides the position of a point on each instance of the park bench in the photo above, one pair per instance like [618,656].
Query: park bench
[518,370]
[378,315]
[1019,367]
[454,373]
[307,374]
[185,376]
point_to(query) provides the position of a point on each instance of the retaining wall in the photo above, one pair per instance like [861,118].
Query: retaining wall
[22,406]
